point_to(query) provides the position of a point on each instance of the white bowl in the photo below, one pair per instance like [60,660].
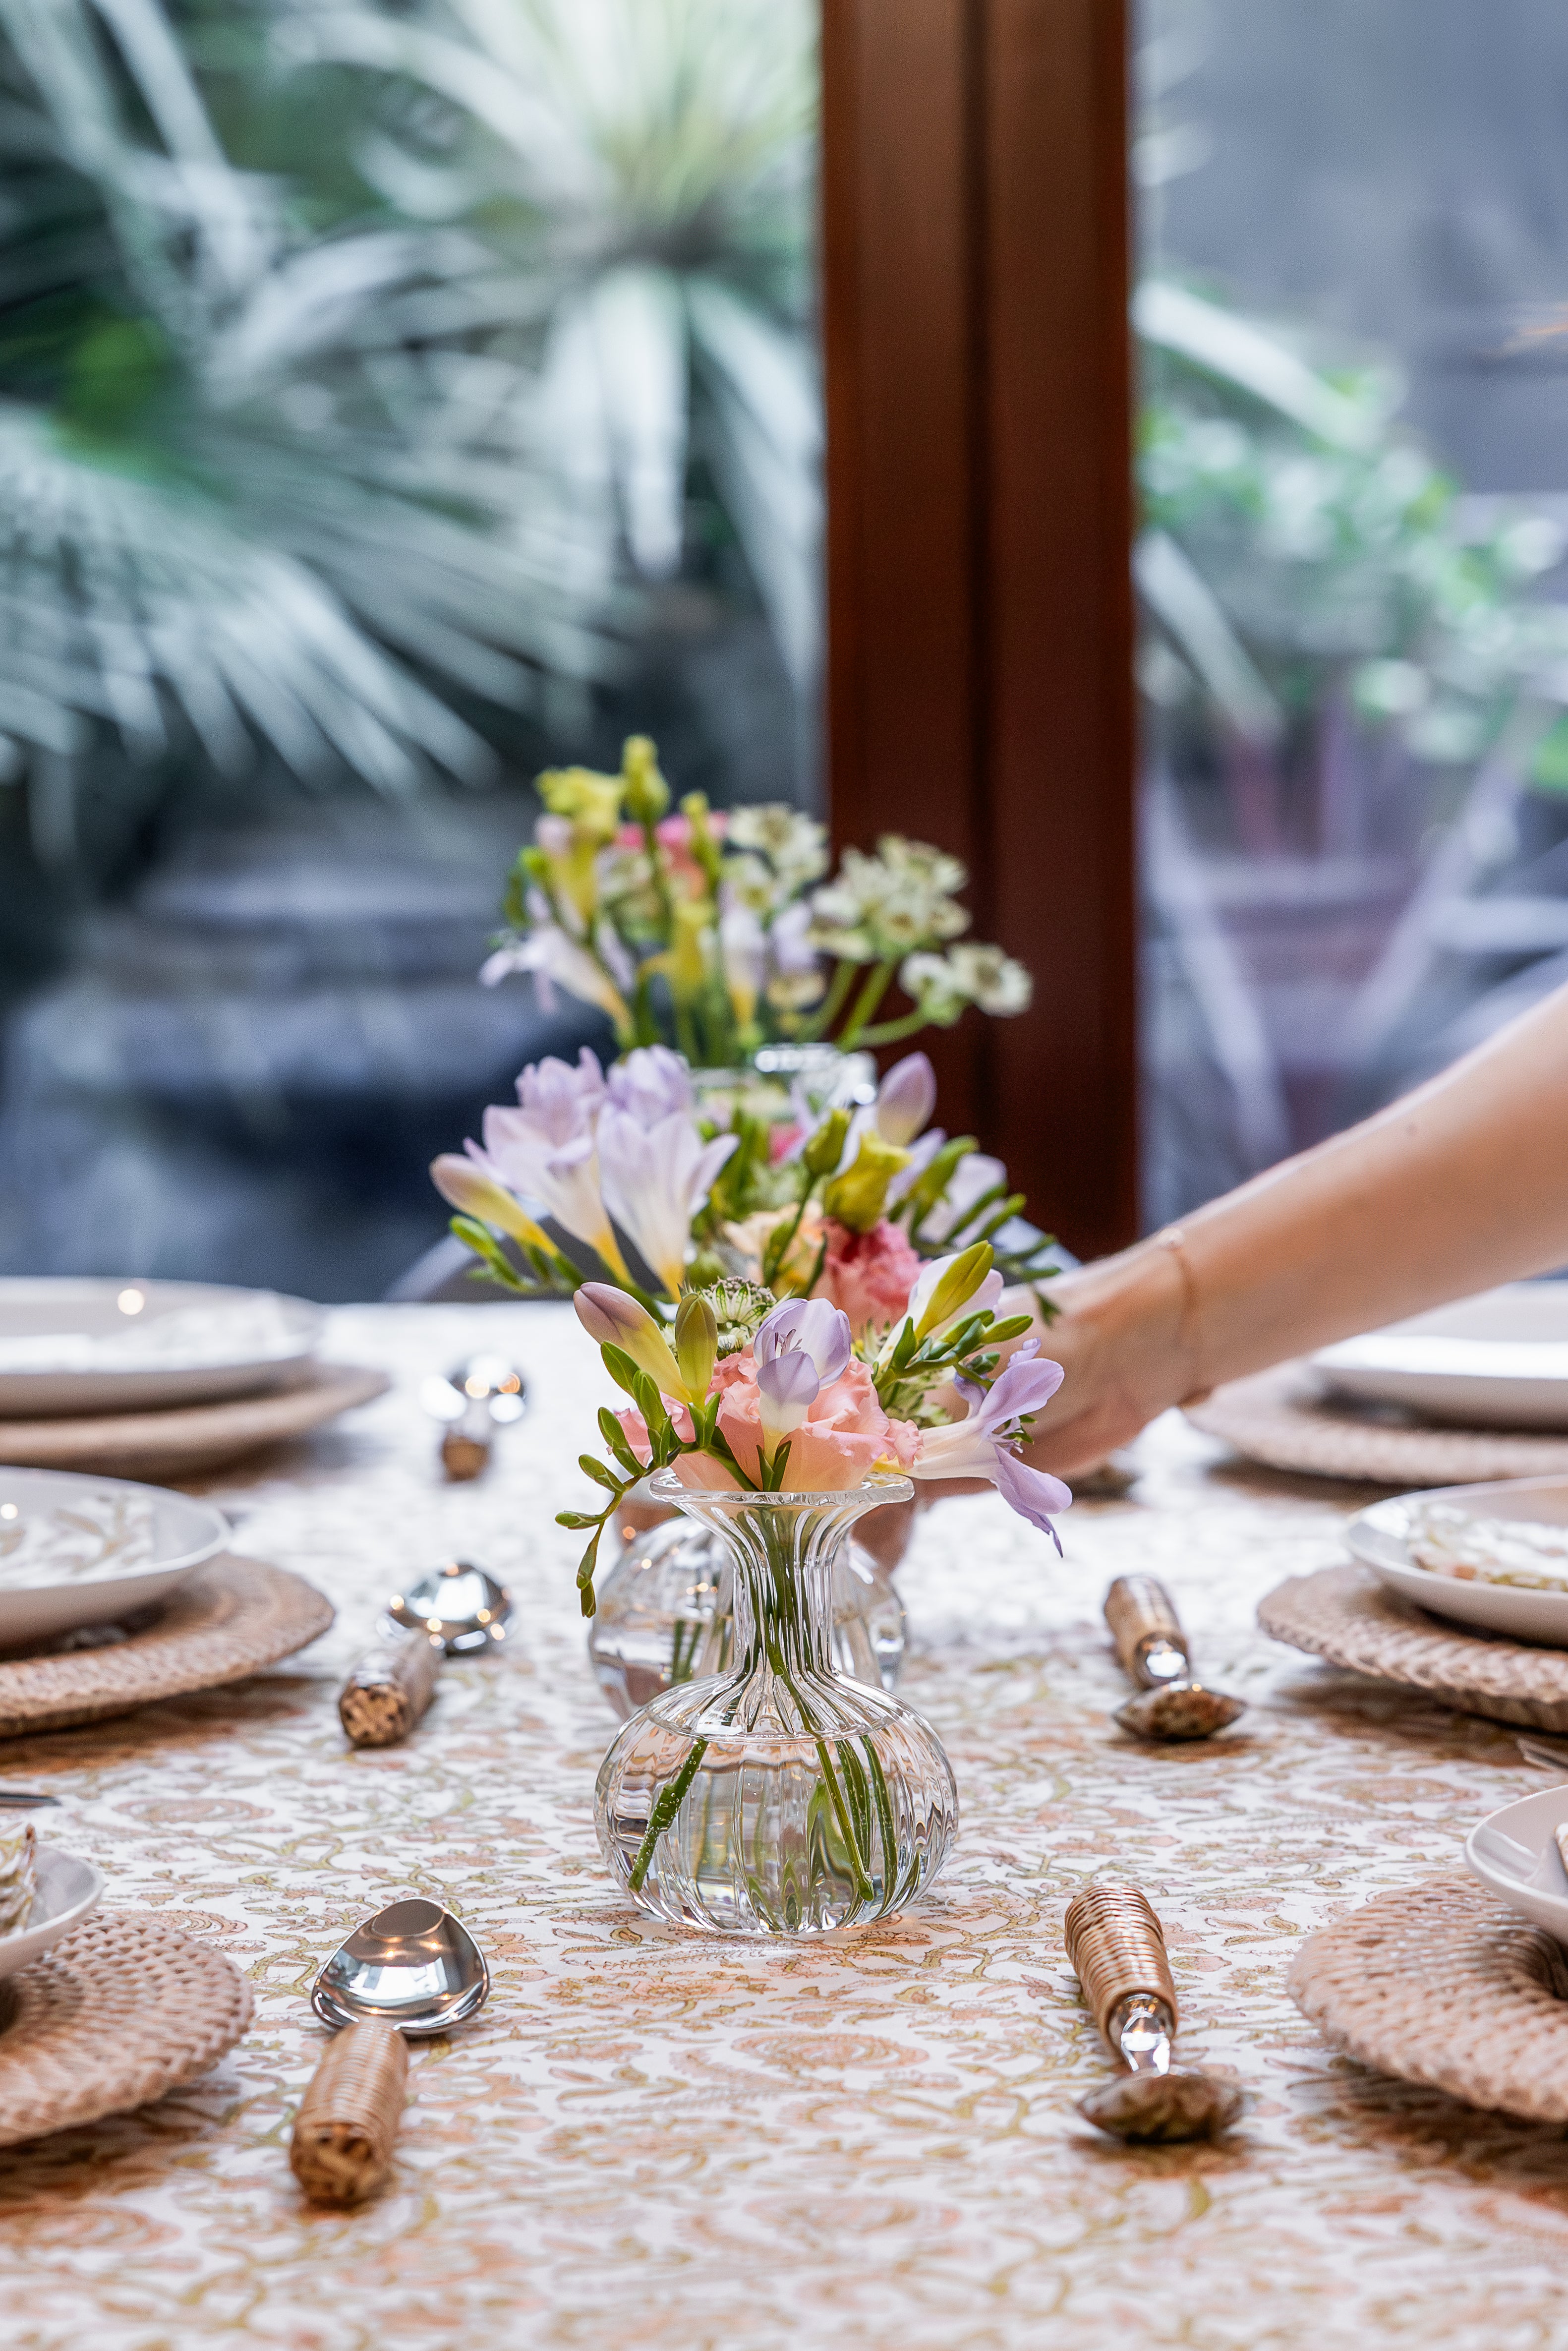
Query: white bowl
[73,1347]
[176,1533]
[68,1889]
[1499,1360]
[1515,1853]
[1377,1538]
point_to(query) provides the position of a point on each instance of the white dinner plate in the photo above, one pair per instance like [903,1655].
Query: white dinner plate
[68,1346]
[1515,1853]
[1496,1360]
[1377,1537]
[79,1550]
[68,1889]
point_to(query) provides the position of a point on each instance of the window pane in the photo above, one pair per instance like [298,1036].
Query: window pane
[394,401]
[1355,469]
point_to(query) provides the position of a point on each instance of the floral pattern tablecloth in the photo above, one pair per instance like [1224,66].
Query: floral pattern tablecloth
[650,2140]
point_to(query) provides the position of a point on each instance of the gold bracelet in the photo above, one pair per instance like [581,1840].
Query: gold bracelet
[1174,1240]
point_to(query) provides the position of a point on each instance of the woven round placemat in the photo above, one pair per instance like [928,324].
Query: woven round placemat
[178,1443]
[1440,1983]
[117,2013]
[1280,1419]
[1344,1615]
[230,1618]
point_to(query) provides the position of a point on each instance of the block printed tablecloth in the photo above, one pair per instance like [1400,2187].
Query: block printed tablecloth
[651,2142]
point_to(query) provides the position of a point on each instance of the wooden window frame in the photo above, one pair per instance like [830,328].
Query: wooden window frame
[981,682]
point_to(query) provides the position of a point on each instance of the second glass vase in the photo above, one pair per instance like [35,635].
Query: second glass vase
[779,1798]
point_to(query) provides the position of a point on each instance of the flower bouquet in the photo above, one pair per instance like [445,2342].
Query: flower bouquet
[780,1797]
[718,931]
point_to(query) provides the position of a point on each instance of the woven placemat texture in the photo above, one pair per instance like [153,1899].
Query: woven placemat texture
[177,1443]
[1344,1615]
[1278,1418]
[120,2012]
[229,1619]
[1441,1984]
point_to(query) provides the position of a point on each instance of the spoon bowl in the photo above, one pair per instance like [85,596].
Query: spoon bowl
[413,1966]
[460,1605]
[1161,2110]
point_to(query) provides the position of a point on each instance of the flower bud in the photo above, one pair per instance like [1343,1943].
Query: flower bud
[949,1283]
[905,1099]
[467,1188]
[696,1342]
[858,1196]
[613,1319]
[826,1147]
[647,795]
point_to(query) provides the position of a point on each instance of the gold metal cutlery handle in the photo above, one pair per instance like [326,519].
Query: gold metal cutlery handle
[341,2149]
[1142,1616]
[1117,1946]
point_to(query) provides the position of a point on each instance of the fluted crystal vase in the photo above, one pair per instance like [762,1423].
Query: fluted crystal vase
[665,1614]
[779,1798]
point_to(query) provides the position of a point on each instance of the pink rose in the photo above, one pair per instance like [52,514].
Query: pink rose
[845,1435]
[868,1275]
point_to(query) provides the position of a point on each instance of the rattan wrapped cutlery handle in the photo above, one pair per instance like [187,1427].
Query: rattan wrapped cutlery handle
[389,1690]
[1116,1945]
[348,2120]
[1140,1612]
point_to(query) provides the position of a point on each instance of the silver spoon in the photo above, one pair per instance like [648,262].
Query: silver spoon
[410,1971]
[414,1966]
[485,1392]
[1152,1647]
[460,1605]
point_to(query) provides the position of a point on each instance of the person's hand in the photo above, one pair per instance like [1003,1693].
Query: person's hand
[1118,1337]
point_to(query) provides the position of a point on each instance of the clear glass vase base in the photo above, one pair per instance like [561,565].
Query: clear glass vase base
[777,1832]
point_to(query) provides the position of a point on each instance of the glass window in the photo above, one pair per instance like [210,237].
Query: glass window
[394,399]
[1354,465]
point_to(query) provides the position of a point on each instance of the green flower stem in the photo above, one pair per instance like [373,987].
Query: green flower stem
[874,988]
[666,1804]
[894,1032]
[832,1004]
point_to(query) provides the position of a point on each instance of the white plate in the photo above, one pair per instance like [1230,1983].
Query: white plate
[1515,1853]
[131,1346]
[1496,1360]
[1377,1538]
[68,1890]
[148,1541]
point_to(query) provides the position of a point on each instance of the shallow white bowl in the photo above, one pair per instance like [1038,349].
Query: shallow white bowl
[273,1335]
[1499,1360]
[1515,1853]
[185,1534]
[1377,1538]
[68,1890]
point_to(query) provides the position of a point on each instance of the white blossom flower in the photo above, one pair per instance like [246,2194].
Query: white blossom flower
[655,1177]
[545,1150]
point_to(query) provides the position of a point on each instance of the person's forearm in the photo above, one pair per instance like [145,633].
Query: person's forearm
[1457,1187]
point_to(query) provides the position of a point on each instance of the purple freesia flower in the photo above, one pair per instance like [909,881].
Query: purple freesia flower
[810,1327]
[655,1175]
[787,1387]
[545,1149]
[651,1084]
[985,1444]
[905,1099]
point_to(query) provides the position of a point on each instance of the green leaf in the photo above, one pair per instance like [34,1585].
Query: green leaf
[577,1520]
[600,1474]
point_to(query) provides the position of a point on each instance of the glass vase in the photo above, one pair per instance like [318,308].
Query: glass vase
[665,1614]
[779,1797]
[765,1086]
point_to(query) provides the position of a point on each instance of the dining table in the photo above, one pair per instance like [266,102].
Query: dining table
[654,2140]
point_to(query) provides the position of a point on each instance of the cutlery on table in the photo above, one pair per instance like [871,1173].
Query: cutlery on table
[411,1973]
[390,1689]
[25,1799]
[1152,1649]
[484,1394]
[1118,1947]
[459,1606]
